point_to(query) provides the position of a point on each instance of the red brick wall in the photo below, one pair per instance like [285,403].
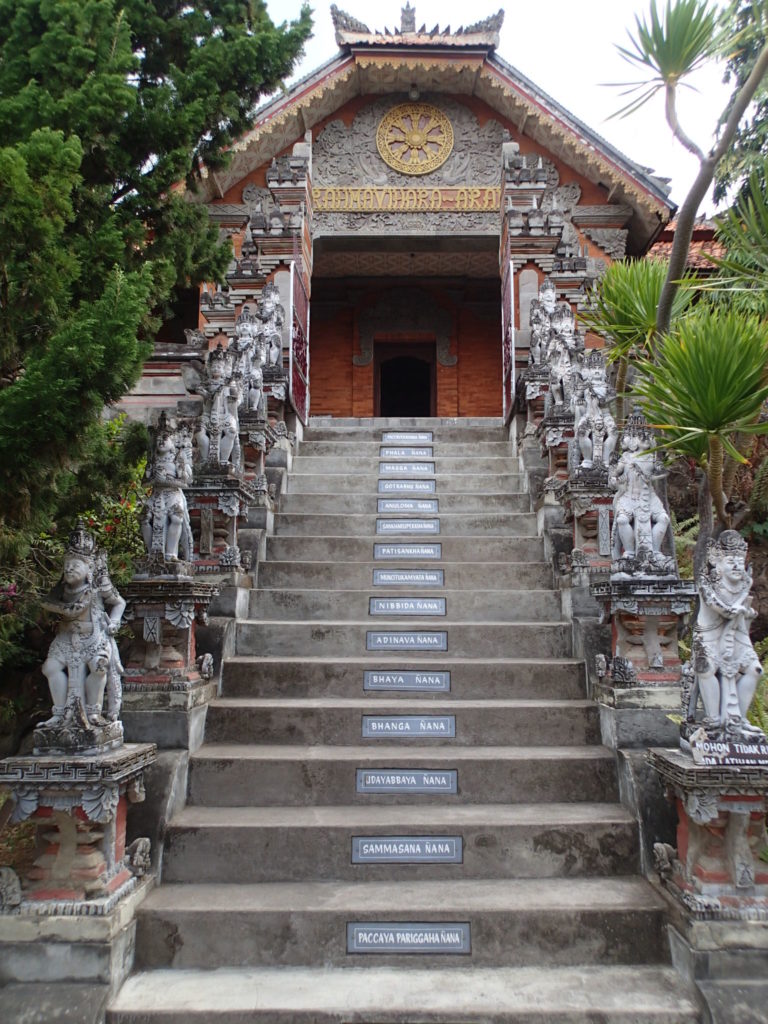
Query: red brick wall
[472,387]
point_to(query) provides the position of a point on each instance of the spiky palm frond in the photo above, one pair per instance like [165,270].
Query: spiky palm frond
[624,303]
[709,382]
[670,45]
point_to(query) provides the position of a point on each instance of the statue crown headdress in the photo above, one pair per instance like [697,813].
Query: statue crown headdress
[562,311]
[547,285]
[594,361]
[81,542]
[728,542]
[246,316]
[637,426]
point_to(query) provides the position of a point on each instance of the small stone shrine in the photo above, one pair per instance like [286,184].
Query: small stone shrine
[719,778]
[78,782]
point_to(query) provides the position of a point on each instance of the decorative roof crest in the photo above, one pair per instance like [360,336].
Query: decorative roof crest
[350,30]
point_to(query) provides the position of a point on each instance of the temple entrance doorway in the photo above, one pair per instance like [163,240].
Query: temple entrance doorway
[404,378]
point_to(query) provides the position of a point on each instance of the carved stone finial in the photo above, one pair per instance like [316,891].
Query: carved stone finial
[343,22]
[490,24]
[407,18]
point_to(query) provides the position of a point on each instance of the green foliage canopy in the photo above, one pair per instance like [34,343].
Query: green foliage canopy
[107,107]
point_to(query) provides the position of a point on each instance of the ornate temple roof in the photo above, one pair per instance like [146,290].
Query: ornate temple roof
[459,63]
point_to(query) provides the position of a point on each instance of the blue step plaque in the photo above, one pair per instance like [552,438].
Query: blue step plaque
[403,505]
[406,606]
[416,640]
[408,727]
[417,526]
[408,680]
[407,780]
[401,468]
[407,486]
[398,551]
[425,938]
[407,850]
[408,577]
[406,437]
[405,453]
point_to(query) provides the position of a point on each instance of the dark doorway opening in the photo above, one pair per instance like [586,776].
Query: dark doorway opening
[404,379]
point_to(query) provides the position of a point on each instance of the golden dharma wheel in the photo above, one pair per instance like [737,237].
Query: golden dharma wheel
[414,138]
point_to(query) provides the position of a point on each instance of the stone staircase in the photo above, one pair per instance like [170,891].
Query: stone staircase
[399,814]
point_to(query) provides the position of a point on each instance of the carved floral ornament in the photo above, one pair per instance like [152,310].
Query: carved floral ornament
[414,138]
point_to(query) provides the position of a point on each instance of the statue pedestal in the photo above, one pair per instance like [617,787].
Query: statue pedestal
[716,872]
[556,435]
[533,385]
[217,500]
[165,690]
[588,501]
[79,806]
[640,686]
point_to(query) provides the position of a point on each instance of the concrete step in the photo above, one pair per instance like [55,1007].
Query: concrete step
[361,549]
[450,524]
[371,447]
[480,465]
[465,429]
[282,844]
[449,605]
[461,639]
[274,575]
[366,482]
[279,675]
[512,922]
[393,995]
[369,503]
[339,720]
[231,775]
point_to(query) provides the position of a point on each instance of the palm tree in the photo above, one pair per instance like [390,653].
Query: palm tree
[671,46]
[623,308]
[706,387]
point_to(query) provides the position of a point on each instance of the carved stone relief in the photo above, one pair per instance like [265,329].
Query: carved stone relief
[409,310]
[348,156]
[612,241]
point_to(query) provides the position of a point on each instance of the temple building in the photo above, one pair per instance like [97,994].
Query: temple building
[407,199]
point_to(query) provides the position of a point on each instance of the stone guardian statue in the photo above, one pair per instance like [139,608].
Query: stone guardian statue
[83,662]
[726,666]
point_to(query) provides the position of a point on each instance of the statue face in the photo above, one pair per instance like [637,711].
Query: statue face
[732,567]
[75,570]
[547,299]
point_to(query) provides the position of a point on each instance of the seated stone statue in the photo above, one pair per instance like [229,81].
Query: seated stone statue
[83,660]
[726,666]
[640,521]
[166,528]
